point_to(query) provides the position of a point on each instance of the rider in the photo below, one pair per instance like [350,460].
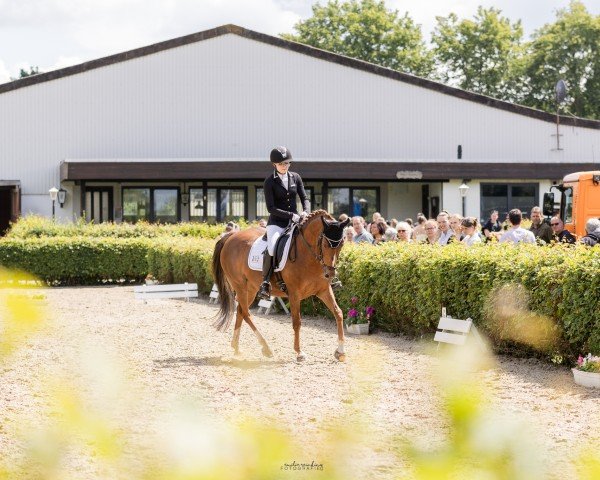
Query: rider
[281,188]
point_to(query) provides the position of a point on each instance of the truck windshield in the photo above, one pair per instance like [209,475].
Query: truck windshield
[567,206]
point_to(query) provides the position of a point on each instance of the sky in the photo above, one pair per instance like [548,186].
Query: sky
[52,34]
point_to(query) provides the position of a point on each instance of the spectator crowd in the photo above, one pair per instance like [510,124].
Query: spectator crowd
[449,228]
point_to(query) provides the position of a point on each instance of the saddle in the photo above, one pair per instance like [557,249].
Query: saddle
[281,252]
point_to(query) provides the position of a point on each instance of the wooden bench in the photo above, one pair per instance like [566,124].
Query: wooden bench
[179,290]
[455,331]
[213,296]
[267,305]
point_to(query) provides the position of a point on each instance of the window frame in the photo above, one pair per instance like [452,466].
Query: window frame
[100,190]
[219,214]
[310,190]
[151,215]
[351,188]
[509,196]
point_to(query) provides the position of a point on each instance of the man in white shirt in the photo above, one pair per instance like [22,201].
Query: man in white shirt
[446,234]
[516,234]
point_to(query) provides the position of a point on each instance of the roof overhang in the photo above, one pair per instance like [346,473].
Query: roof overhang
[168,170]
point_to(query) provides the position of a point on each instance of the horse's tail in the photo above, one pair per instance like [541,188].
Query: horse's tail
[226,295]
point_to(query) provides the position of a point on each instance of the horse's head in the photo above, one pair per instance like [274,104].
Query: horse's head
[333,231]
[328,228]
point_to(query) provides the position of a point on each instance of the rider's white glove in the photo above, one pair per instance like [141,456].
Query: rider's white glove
[303,215]
[295,218]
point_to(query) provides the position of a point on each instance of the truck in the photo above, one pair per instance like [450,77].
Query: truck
[579,200]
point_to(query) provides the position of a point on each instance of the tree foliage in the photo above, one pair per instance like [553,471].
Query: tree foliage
[486,54]
[482,55]
[367,30]
[567,49]
[24,73]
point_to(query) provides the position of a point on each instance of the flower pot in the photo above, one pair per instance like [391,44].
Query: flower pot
[151,282]
[586,379]
[358,328]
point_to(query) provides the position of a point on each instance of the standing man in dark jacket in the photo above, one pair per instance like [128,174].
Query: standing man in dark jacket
[281,188]
[539,228]
[560,234]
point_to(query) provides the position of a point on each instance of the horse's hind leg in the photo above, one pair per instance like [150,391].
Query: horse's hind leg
[235,342]
[245,311]
[266,350]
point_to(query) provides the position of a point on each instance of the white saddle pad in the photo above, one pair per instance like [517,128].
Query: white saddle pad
[255,257]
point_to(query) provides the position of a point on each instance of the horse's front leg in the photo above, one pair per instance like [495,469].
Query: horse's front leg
[329,299]
[296,322]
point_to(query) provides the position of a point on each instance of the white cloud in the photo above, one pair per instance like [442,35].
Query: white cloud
[4,73]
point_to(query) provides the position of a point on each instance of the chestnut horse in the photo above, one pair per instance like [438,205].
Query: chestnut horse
[308,271]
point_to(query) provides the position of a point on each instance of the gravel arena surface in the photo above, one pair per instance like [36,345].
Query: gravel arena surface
[170,355]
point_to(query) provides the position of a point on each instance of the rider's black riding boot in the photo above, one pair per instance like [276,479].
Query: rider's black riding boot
[267,270]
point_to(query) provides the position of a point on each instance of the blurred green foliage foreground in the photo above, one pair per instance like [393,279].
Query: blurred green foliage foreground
[78,431]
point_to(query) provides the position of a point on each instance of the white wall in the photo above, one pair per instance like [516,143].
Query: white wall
[453,203]
[404,200]
[234,98]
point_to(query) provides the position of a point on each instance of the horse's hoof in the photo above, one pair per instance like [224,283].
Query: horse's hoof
[301,357]
[266,351]
[236,353]
[340,356]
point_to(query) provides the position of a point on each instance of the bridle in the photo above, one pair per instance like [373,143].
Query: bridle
[334,243]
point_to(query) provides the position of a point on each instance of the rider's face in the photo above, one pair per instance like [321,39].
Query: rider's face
[282,167]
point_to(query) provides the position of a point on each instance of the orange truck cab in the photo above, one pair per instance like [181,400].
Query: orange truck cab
[579,200]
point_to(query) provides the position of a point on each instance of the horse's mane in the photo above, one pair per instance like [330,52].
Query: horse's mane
[316,214]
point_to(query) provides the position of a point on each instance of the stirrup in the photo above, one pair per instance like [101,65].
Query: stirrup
[336,284]
[265,291]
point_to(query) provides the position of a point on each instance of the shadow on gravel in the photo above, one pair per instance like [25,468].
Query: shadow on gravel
[177,362]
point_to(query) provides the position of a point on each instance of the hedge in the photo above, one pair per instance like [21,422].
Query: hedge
[505,289]
[34,226]
[501,287]
[89,261]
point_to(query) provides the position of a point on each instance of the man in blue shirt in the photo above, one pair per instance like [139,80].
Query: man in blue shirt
[361,235]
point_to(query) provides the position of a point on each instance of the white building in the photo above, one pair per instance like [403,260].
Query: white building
[181,130]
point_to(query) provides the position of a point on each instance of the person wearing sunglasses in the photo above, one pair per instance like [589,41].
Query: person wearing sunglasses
[560,234]
[404,232]
[281,189]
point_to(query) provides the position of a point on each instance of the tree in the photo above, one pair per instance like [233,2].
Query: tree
[24,73]
[367,30]
[567,49]
[482,55]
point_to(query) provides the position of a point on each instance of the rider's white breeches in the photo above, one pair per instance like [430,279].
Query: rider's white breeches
[273,233]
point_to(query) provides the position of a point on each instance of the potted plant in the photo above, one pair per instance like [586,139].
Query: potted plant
[358,319]
[587,371]
[150,280]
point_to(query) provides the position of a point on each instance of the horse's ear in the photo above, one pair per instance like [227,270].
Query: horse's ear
[345,223]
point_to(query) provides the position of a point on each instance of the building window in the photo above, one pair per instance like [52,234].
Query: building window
[261,206]
[215,204]
[352,201]
[150,204]
[99,204]
[506,196]
[165,205]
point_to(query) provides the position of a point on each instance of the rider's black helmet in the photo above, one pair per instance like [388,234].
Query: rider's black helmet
[280,154]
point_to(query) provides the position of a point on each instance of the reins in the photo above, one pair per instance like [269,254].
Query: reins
[319,255]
